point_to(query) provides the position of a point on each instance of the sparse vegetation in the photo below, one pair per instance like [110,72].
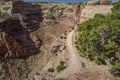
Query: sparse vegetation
[4,16]
[44,78]
[51,70]
[99,40]
[37,73]
[70,9]
[59,79]
[61,67]
[64,47]
[62,62]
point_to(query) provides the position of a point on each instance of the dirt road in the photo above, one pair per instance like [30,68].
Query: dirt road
[75,63]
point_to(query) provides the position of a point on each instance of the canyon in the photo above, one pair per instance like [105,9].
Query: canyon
[36,40]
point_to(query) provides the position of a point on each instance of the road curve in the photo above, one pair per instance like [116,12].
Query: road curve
[75,63]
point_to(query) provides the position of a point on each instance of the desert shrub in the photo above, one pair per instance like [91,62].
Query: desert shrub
[37,73]
[51,70]
[59,79]
[62,62]
[44,78]
[64,47]
[61,67]
[115,68]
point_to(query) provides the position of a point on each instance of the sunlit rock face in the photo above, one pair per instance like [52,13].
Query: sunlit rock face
[6,7]
[100,2]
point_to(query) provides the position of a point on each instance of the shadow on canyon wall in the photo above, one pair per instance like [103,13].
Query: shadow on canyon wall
[15,40]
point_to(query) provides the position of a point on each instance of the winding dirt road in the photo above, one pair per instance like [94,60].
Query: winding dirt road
[75,63]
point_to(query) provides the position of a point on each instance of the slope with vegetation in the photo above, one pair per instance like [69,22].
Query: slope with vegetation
[99,39]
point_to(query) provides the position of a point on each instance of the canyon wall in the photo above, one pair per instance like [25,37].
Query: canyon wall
[89,11]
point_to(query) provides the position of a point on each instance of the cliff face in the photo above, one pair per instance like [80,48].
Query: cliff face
[24,8]
[89,11]
[16,41]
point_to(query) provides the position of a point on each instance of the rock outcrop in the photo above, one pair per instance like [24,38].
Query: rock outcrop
[17,37]
[99,2]
[25,8]
[16,41]
[6,7]
[89,11]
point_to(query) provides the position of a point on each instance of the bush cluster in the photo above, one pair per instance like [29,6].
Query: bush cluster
[61,67]
[99,38]
[51,70]
[59,79]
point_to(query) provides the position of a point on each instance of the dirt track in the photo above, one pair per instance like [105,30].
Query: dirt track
[90,69]
[75,63]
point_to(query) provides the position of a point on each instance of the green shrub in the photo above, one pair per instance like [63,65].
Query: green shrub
[64,47]
[51,70]
[99,61]
[60,68]
[37,73]
[114,68]
[59,79]
[99,16]
[62,62]
[44,78]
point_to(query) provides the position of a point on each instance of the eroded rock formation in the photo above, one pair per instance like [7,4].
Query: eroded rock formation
[16,41]
[24,8]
